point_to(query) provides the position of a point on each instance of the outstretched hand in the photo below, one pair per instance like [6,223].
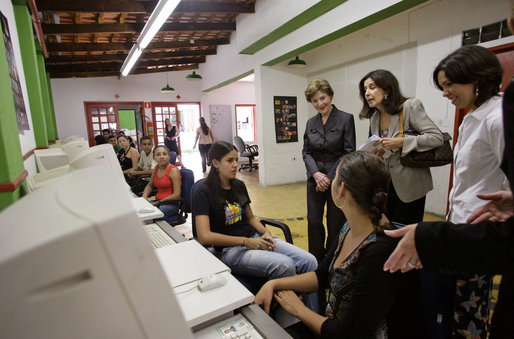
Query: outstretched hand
[405,256]
[499,208]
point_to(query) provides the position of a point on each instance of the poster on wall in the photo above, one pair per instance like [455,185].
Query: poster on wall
[286,129]
[19,103]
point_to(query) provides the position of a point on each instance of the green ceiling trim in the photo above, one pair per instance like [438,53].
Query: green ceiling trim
[303,18]
[229,81]
[358,25]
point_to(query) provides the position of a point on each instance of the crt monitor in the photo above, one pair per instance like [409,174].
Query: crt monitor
[47,159]
[75,147]
[76,263]
[100,155]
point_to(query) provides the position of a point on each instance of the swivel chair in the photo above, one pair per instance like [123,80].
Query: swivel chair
[184,202]
[253,284]
[247,151]
[142,180]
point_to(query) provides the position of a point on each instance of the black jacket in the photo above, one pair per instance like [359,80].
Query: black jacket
[322,150]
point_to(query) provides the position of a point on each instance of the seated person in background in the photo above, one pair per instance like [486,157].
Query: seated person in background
[128,158]
[146,162]
[100,140]
[166,178]
[114,142]
[225,219]
[128,137]
[106,133]
[364,301]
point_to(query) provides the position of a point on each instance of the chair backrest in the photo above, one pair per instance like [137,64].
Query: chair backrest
[173,157]
[194,188]
[239,143]
[187,179]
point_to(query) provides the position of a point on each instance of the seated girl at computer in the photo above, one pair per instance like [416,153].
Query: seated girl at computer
[225,219]
[166,177]
[364,301]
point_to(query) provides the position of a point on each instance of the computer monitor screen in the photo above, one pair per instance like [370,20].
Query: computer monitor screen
[47,159]
[76,263]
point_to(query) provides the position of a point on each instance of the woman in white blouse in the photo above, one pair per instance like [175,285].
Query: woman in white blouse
[471,77]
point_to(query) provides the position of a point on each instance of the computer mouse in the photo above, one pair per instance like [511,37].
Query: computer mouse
[211,281]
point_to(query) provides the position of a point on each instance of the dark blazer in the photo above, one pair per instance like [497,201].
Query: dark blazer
[322,150]
[486,247]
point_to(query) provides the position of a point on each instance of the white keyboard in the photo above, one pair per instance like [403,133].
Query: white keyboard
[157,236]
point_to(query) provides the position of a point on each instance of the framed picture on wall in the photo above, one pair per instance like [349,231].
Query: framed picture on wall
[19,103]
[286,129]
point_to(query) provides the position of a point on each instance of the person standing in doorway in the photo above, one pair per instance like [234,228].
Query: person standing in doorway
[204,136]
[170,140]
[329,135]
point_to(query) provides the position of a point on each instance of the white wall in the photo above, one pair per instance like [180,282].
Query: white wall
[70,95]
[279,163]
[27,141]
[237,93]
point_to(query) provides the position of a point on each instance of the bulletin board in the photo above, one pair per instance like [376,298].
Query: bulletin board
[286,129]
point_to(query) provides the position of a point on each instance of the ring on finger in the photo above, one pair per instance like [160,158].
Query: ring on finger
[411,264]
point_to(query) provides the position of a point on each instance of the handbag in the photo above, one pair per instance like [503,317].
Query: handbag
[434,157]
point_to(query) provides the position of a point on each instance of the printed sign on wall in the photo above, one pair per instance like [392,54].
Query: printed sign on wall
[286,129]
[19,103]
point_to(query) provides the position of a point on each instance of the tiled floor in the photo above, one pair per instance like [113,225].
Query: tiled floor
[287,203]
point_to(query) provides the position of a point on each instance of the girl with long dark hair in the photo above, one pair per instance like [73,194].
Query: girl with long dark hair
[205,140]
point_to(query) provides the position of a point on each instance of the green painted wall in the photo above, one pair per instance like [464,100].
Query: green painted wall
[31,70]
[11,159]
[127,120]
[43,83]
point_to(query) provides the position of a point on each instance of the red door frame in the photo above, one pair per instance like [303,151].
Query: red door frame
[507,64]
[254,119]
[115,104]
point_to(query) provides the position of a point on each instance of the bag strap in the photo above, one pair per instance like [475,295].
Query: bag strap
[401,123]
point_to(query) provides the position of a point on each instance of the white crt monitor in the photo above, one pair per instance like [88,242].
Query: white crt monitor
[76,263]
[61,142]
[51,158]
[100,155]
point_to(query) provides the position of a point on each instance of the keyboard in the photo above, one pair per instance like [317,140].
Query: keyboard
[157,236]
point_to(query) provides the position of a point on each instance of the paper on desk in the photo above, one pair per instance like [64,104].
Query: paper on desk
[368,146]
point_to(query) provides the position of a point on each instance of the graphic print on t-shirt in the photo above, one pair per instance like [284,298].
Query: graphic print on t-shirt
[233,213]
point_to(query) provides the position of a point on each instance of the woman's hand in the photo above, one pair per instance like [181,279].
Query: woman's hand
[405,257]
[289,302]
[259,244]
[269,238]
[499,207]
[263,297]
[391,143]
[322,181]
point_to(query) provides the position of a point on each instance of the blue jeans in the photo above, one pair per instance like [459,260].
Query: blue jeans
[286,261]
[170,212]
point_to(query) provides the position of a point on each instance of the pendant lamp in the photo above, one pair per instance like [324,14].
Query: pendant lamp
[297,63]
[167,89]
[193,77]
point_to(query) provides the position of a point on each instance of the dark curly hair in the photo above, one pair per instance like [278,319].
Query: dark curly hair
[367,178]
[472,65]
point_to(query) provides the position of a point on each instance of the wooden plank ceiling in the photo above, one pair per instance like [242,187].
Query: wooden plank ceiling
[91,38]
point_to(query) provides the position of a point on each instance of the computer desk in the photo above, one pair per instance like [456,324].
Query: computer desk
[145,210]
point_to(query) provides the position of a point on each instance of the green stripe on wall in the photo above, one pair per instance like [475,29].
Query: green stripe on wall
[229,81]
[303,18]
[358,25]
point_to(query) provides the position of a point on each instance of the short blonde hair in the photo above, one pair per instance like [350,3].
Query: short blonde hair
[318,85]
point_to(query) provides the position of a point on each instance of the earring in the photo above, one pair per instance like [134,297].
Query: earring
[385,97]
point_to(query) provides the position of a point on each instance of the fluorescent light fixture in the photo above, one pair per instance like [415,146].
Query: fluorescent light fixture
[134,54]
[160,14]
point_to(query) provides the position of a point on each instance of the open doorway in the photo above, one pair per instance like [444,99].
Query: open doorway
[245,120]
[130,122]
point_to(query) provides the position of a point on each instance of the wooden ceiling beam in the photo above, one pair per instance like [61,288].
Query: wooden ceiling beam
[116,6]
[56,59]
[52,29]
[84,67]
[117,73]
[88,47]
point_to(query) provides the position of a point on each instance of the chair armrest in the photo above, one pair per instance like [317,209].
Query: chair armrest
[281,225]
[253,149]
[179,201]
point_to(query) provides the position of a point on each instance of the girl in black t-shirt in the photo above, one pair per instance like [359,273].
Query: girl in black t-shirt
[225,219]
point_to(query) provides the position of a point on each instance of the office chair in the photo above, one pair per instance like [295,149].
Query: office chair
[253,284]
[184,202]
[247,151]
